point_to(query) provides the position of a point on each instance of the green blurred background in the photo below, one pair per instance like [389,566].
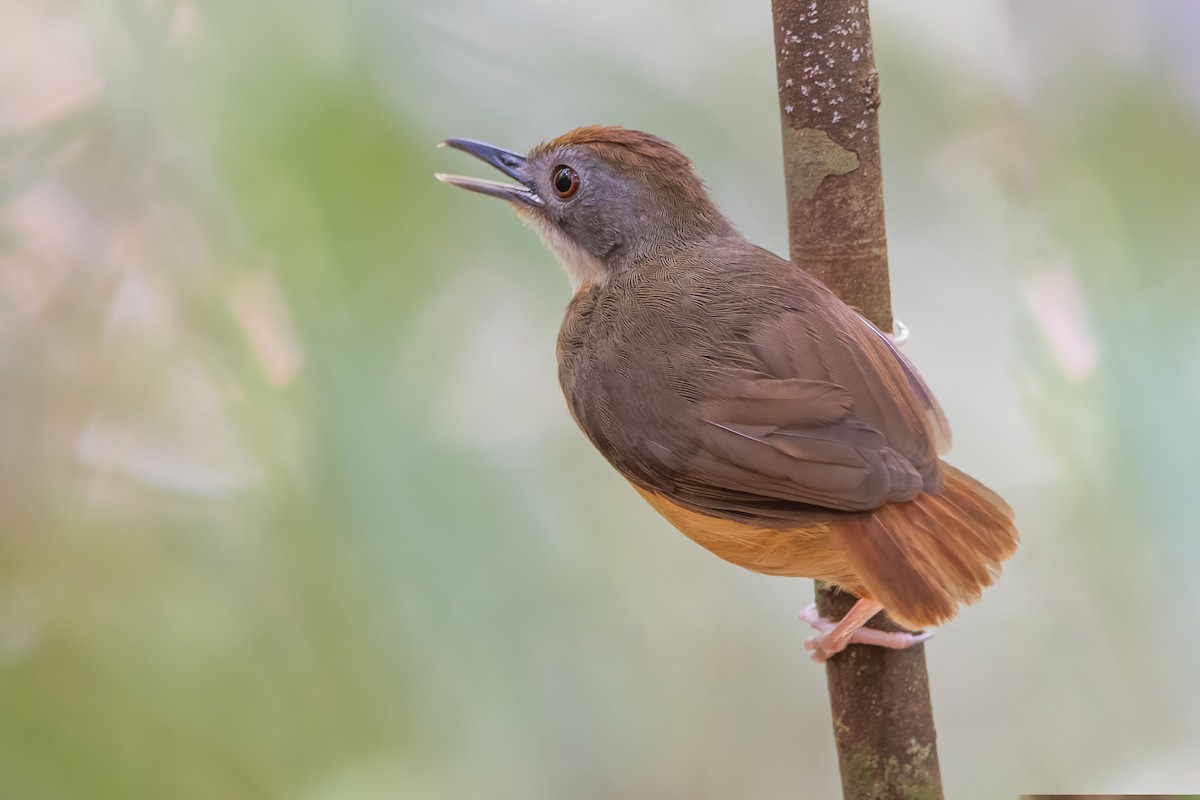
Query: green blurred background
[290,504]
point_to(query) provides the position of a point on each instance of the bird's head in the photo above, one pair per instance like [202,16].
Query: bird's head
[603,199]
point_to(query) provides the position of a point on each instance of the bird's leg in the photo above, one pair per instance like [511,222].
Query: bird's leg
[834,637]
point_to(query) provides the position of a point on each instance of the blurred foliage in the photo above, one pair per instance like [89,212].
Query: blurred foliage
[290,506]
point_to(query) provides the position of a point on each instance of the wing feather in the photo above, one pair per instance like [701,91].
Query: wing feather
[835,419]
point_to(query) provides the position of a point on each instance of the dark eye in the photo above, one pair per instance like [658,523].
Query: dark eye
[565,181]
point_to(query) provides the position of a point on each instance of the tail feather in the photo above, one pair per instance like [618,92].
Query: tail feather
[923,558]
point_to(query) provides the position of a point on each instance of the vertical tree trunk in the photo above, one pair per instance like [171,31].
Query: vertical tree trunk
[828,98]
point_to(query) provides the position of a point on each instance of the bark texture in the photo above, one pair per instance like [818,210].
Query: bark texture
[828,100]
[882,715]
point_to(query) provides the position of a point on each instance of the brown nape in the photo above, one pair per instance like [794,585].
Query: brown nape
[633,144]
[923,558]
[638,153]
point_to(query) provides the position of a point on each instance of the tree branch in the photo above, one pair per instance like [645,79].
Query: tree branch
[828,99]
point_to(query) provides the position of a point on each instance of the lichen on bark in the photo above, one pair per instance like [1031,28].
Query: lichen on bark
[810,156]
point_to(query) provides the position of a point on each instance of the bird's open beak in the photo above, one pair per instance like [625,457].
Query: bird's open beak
[511,164]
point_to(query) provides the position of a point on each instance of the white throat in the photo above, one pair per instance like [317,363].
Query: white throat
[582,268]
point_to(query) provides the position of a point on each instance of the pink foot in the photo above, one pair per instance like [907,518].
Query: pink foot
[835,636]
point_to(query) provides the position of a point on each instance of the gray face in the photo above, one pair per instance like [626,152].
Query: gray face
[599,209]
[594,218]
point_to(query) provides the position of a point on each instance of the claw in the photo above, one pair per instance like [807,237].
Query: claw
[834,637]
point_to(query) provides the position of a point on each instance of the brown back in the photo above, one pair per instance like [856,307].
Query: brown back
[736,385]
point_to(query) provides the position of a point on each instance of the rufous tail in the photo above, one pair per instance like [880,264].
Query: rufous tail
[923,558]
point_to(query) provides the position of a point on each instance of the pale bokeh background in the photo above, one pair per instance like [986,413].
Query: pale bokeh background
[290,505]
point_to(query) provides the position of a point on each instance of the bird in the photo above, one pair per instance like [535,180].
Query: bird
[760,415]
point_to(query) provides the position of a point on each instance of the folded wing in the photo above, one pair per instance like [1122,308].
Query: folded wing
[837,421]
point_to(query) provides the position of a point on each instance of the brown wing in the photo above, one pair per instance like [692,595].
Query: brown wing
[835,418]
